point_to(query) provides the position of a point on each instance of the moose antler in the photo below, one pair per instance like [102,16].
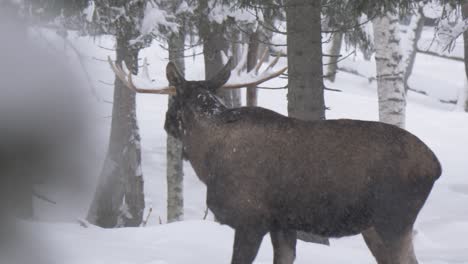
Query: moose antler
[239,78]
[127,79]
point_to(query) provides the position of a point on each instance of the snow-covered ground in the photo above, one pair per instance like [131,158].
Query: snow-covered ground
[442,226]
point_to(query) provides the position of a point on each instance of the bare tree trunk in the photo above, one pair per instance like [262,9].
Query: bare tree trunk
[236,54]
[388,57]
[463,98]
[265,36]
[414,33]
[305,81]
[174,170]
[335,50]
[252,57]
[119,198]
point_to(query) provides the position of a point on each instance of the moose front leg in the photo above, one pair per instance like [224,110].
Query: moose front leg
[284,246]
[246,244]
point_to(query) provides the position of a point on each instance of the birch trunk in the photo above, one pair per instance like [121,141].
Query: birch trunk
[174,169]
[236,53]
[335,50]
[265,35]
[388,57]
[252,57]
[119,198]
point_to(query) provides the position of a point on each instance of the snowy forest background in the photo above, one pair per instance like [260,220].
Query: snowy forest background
[92,177]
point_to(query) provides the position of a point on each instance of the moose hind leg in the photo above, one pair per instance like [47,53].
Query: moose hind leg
[402,248]
[246,244]
[391,249]
[284,246]
[376,245]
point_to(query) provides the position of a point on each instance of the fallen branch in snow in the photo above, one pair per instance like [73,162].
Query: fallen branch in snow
[341,59]
[286,87]
[332,90]
[417,91]
[206,213]
[105,48]
[43,197]
[355,72]
[448,101]
[98,59]
[147,217]
[106,83]
[371,79]
[432,53]
[83,223]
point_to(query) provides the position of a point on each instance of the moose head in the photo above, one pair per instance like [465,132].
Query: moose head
[193,94]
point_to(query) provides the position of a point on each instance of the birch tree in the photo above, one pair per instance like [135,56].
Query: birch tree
[334,54]
[252,58]
[174,148]
[390,75]
[174,167]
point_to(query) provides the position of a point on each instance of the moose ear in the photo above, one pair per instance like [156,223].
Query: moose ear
[221,77]
[173,75]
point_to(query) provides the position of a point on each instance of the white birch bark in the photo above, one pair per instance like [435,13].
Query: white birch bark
[236,53]
[175,180]
[334,52]
[174,169]
[388,57]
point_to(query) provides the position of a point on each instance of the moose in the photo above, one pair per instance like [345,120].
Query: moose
[267,173]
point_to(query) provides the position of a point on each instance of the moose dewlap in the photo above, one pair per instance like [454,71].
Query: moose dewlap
[267,173]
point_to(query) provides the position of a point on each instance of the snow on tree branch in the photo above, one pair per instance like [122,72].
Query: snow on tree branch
[446,33]
[88,12]
[221,12]
[155,18]
[449,26]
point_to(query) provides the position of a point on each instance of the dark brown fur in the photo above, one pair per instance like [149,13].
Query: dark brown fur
[269,173]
